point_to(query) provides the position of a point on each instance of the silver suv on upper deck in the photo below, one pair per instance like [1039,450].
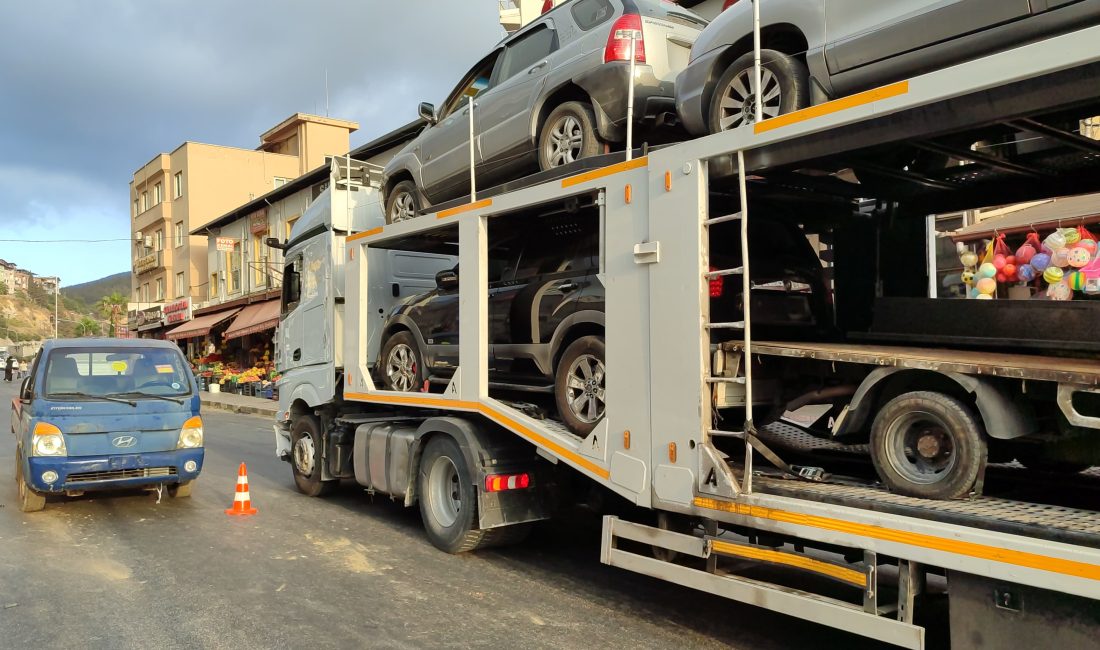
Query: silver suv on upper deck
[551,93]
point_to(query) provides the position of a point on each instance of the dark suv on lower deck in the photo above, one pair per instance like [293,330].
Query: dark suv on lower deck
[546,310]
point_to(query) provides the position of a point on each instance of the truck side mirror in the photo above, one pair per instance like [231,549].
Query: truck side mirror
[273,242]
[427,111]
[446,279]
[25,390]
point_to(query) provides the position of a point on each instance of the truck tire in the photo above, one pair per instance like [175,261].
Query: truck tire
[579,384]
[786,83]
[567,135]
[402,202]
[929,445]
[306,457]
[402,364]
[180,490]
[29,499]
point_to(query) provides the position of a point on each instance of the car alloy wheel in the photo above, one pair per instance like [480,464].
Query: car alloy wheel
[401,367]
[403,208]
[565,142]
[585,388]
[738,104]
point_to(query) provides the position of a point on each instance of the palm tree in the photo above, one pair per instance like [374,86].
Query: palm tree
[87,326]
[113,307]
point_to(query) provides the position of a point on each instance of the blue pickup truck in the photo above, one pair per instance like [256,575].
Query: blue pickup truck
[98,414]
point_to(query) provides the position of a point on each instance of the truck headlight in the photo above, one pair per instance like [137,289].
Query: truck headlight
[190,434]
[48,440]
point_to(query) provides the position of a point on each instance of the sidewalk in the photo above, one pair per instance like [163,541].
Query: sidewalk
[240,404]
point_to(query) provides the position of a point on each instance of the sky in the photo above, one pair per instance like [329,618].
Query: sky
[91,91]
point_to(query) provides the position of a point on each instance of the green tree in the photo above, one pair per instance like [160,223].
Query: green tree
[3,289]
[86,326]
[113,308]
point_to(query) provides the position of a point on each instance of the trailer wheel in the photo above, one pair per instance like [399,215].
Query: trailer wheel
[29,499]
[181,490]
[929,445]
[786,84]
[402,365]
[403,202]
[579,384]
[448,498]
[306,458]
[567,135]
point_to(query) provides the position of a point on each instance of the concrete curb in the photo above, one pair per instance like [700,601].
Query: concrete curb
[241,410]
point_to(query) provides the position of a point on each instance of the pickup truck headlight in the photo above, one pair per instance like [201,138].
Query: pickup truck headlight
[190,434]
[47,440]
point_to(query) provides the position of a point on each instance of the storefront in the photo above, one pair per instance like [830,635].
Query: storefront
[176,314]
[147,323]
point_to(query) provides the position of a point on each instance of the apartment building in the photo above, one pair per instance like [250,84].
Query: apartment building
[177,192]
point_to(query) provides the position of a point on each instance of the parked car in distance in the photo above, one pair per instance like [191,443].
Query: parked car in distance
[547,95]
[98,414]
[814,50]
[546,311]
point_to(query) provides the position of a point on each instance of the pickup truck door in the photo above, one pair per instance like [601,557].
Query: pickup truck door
[859,32]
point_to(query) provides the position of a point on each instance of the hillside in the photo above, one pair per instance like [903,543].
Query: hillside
[26,317]
[89,293]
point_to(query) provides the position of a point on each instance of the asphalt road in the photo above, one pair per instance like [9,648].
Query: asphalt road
[349,571]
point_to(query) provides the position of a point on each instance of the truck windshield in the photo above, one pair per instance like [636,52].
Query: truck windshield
[102,372]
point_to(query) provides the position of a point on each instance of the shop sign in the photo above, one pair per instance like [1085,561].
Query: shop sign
[135,318]
[146,262]
[257,222]
[226,244]
[153,317]
[177,312]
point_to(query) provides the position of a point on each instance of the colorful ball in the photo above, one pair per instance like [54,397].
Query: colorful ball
[1001,277]
[1060,258]
[987,285]
[969,259]
[1059,291]
[967,277]
[999,261]
[1025,253]
[1089,245]
[1026,273]
[984,296]
[1079,257]
[1053,275]
[1055,241]
[1071,235]
[987,270]
[1040,262]
[1076,280]
[1009,270]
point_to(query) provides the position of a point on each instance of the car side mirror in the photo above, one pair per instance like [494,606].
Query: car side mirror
[427,111]
[446,279]
[25,390]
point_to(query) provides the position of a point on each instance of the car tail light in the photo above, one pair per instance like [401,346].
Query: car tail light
[717,284]
[728,3]
[502,482]
[618,43]
[547,6]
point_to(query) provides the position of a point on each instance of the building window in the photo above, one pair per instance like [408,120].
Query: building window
[179,285]
[179,234]
[160,288]
[158,241]
[144,201]
[280,181]
[212,290]
[259,258]
[137,210]
[233,270]
[177,185]
[289,225]
[145,292]
[158,194]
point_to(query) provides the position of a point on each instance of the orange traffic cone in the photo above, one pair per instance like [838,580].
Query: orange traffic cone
[242,502]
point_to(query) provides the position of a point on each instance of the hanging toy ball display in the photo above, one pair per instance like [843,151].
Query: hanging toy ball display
[987,270]
[1009,271]
[1040,262]
[1026,273]
[987,286]
[967,277]
[1053,275]
[1079,256]
[1088,245]
[1071,235]
[1060,291]
[1055,241]
[1076,281]
[999,261]
[1025,253]
[969,259]
[1060,258]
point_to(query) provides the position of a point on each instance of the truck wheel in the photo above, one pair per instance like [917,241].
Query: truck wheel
[567,135]
[402,367]
[180,490]
[579,384]
[928,445]
[403,202]
[448,498]
[305,457]
[29,500]
[786,84]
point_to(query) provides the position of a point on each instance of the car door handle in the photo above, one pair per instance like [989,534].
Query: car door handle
[535,68]
[298,354]
[568,286]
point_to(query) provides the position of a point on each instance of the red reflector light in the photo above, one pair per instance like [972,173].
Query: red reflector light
[618,42]
[502,482]
[716,285]
[547,6]
[728,3]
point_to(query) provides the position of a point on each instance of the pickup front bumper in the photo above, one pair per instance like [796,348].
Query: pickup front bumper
[87,473]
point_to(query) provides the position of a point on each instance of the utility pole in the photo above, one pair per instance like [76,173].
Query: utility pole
[56,290]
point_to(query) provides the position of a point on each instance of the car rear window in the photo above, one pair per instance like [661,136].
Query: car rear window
[101,371]
[671,12]
[589,13]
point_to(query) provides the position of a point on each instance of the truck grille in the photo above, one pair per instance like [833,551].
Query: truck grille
[115,474]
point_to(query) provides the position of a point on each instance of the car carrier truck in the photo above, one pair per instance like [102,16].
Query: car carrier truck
[726,496]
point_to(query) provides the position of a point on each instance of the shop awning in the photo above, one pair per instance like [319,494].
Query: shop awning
[254,318]
[1064,212]
[200,326]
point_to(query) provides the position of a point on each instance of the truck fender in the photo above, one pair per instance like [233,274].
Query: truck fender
[304,392]
[1003,418]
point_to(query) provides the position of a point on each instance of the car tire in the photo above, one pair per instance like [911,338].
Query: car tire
[579,384]
[733,105]
[567,135]
[181,490]
[402,202]
[448,498]
[929,445]
[29,499]
[402,365]
[306,457]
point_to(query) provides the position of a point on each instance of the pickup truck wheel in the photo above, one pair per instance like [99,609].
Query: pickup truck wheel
[403,202]
[929,445]
[402,366]
[29,500]
[180,490]
[448,498]
[579,384]
[305,457]
[786,86]
[567,135]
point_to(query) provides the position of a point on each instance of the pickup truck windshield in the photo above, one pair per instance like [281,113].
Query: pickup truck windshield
[102,372]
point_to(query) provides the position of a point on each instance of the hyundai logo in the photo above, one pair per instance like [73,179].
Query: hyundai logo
[124,441]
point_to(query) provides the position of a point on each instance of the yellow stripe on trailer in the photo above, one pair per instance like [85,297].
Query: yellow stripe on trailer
[851,576]
[835,106]
[605,171]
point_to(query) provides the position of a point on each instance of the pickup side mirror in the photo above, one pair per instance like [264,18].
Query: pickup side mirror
[427,111]
[25,390]
[447,279]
